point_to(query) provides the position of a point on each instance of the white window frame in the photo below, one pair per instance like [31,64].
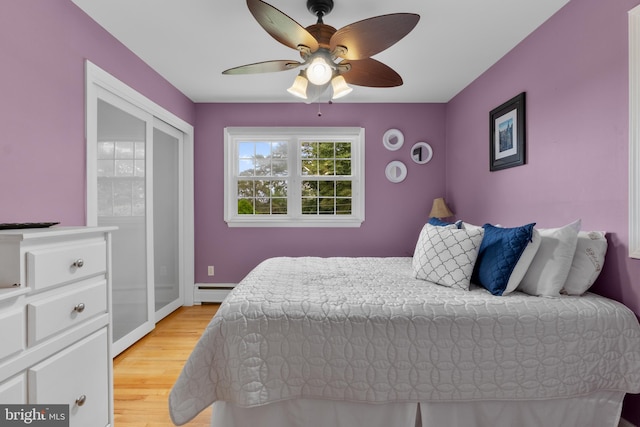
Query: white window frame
[293,136]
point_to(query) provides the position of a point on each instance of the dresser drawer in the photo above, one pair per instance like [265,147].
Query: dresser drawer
[12,333]
[14,390]
[62,264]
[77,376]
[50,315]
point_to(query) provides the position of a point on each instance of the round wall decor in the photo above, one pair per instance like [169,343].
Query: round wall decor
[396,171]
[421,152]
[393,139]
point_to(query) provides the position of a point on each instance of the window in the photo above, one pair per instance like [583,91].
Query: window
[294,177]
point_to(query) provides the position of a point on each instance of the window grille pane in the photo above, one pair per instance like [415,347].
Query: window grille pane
[245,206]
[279,188]
[106,150]
[124,150]
[139,150]
[343,206]
[105,168]
[279,168]
[309,205]
[139,168]
[124,168]
[246,189]
[279,206]
[309,188]
[327,188]
[343,188]
[309,150]
[326,205]
[343,167]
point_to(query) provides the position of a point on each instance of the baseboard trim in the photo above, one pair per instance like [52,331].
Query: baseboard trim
[211,292]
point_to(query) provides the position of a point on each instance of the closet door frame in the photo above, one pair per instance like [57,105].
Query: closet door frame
[98,81]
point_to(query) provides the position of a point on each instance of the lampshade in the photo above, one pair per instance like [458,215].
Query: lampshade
[319,72]
[340,87]
[440,209]
[299,87]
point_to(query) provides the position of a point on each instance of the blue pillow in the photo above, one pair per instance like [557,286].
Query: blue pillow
[440,223]
[499,253]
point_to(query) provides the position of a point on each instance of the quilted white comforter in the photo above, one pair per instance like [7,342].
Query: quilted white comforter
[362,329]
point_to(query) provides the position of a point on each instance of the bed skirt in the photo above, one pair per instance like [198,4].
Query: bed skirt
[599,409]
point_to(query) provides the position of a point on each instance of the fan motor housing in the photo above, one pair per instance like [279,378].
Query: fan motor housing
[322,33]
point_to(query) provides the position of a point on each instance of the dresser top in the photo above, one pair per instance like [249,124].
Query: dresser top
[55,231]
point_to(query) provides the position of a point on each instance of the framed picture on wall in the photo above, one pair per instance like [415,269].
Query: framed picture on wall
[507,134]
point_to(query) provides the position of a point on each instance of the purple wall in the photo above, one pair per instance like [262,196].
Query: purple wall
[574,69]
[43,46]
[394,213]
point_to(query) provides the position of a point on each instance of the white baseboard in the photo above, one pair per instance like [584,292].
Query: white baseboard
[211,292]
[625,423]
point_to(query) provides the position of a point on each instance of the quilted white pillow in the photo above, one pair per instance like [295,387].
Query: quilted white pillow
[524,262]
[551,264]
[587,262]
[446,256]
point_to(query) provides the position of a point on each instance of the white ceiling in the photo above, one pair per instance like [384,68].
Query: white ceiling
[190,42]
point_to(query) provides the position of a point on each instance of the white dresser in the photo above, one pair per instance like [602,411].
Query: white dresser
[55,321]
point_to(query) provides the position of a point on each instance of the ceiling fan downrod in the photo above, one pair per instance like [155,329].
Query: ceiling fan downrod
[320,8]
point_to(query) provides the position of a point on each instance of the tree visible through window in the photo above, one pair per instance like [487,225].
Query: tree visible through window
[294,176]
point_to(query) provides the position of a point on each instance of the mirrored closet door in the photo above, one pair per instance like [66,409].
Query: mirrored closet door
[136,181]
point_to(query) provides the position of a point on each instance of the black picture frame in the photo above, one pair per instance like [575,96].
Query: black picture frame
[507,134]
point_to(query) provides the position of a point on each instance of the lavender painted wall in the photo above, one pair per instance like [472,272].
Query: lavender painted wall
[43,46]
[395,213]
[574,69]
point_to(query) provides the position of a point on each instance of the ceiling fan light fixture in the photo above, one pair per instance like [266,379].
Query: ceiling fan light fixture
[299,87]
[340,87]
[319,71]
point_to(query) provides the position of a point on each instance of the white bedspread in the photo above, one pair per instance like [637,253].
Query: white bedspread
[362,329]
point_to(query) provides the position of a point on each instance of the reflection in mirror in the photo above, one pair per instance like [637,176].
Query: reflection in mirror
[396,171]
[393,139]
[421,152]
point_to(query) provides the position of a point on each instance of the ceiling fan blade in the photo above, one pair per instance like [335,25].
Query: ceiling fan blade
[371,73]
[264,67]
[364,39]
[280,26]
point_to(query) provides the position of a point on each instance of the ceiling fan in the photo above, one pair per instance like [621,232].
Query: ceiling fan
[330,57]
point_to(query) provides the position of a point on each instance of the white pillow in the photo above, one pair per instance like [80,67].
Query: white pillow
[587,262]
[522,266]
[446,256]
[551,264]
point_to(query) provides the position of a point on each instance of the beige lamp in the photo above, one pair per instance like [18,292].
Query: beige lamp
[440,209]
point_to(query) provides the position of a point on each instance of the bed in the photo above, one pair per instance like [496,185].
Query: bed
[363,341]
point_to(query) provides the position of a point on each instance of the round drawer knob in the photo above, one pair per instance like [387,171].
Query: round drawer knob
[81,400]
[79,308]
[78,263]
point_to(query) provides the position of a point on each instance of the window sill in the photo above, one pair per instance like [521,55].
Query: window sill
[332,222]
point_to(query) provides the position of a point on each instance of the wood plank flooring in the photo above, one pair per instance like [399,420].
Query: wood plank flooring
[144,373]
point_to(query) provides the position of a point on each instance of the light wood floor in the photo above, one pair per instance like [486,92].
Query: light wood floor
[144,373]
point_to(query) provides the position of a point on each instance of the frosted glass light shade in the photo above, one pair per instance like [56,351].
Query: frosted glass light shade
[319,72]
[340,87]
[299,87]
